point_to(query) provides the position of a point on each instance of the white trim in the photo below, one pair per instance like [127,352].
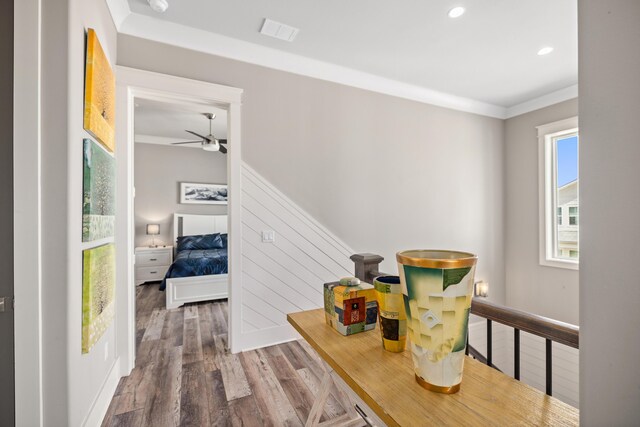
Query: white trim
[267,337]
[27,214]
[119,10]
[552,98]
[150,28]
[203,41]
[546,199]
[101,404]
[133,83]
[162,140]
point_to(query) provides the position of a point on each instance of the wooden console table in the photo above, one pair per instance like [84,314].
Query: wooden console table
[385,382]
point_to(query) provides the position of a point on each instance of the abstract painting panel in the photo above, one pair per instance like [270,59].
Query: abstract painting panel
[98,291]
[98,206]
[99,94]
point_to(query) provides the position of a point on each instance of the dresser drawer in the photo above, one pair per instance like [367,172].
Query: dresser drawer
[149,258]
[148,274]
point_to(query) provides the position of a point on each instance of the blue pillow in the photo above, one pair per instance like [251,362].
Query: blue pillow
[224,240]
[201,241]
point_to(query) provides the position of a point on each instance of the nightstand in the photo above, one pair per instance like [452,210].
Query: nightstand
[152,263]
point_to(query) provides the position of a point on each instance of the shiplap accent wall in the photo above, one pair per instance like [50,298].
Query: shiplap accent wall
[532,359]
[287,275]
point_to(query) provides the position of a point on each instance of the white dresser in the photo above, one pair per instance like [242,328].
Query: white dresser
[152,263]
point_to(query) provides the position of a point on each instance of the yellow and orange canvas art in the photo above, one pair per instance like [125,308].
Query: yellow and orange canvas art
[99,94]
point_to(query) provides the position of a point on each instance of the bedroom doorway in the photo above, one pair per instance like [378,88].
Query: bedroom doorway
[180,174]
[181,221]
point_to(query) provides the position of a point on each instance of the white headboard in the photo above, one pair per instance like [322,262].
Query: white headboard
[191,225]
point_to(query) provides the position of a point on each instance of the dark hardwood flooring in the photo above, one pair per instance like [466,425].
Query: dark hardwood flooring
[185,376]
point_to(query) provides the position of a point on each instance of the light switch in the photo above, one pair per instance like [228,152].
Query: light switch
[268,236]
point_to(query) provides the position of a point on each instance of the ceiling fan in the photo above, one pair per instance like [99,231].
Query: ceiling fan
[210,142]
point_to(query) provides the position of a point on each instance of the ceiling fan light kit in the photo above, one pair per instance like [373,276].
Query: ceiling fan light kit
[210,142]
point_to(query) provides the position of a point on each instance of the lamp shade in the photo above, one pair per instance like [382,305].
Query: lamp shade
[153,229]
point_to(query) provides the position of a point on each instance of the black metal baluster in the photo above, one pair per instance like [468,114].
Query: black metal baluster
[516,354]
[489,350]
[466,349]
[548,342]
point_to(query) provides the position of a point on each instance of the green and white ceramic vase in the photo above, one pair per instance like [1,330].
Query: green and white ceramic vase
[437,286]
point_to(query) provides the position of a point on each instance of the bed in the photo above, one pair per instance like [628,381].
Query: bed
[200,268]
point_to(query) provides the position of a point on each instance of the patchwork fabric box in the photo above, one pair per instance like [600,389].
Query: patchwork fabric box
[350,309]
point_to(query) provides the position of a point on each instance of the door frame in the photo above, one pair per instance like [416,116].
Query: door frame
[27,221]
[132,83]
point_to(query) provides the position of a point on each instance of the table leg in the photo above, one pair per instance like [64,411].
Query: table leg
[321,399]
[351,418]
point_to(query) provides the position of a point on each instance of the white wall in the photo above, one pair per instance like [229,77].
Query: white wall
[547,291]
[159,170]
[610,201]
[285,276]
[71,381]
[382,173]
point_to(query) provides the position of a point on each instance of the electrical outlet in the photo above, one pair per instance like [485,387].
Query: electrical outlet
[106,351]
[268,236]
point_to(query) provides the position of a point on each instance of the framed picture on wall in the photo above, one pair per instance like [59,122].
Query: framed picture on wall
[203,194]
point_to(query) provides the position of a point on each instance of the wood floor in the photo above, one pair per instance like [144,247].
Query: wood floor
[185,376]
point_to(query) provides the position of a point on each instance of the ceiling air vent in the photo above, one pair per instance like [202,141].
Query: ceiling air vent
[278,30]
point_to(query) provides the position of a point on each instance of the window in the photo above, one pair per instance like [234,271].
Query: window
[559,216]
[559,202]
[573,215]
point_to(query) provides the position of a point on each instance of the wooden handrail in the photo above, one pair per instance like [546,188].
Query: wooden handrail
[560,332]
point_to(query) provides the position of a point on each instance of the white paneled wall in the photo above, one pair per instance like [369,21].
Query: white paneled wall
[287,275]
[532,359]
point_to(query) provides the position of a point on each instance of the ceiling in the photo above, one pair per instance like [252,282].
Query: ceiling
[489,54]
[162,123]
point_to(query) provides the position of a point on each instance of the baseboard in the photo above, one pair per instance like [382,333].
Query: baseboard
[103,400]
[265,337]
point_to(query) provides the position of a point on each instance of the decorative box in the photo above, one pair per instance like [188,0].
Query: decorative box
[350,309]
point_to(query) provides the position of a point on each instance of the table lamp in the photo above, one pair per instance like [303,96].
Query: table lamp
[153,230]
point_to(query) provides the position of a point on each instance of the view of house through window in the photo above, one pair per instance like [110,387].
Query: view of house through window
[565,150]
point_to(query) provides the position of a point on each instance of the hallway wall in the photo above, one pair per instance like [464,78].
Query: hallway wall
[547,291]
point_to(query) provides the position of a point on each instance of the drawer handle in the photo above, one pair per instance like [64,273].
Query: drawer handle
[153,259]
[153,272]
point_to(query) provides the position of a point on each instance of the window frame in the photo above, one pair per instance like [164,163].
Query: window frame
[547,172]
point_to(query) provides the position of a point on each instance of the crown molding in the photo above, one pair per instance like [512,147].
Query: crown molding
[203,41]
[119,10]
[170,33]
[161,140]
[542,101]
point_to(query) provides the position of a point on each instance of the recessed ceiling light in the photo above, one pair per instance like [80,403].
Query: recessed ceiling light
[456,12]
[545,50]
[158,5]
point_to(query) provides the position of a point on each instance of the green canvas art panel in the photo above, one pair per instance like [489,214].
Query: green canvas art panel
[98,206]
[98,293]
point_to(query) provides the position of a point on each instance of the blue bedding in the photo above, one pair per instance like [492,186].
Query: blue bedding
[197,262]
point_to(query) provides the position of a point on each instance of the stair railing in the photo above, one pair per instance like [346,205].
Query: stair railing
[366,269]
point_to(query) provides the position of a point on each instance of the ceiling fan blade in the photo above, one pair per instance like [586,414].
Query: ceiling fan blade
[186,142]
[222,141]
[223,149]
[198,135]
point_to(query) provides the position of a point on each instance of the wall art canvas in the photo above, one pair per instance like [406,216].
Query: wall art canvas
[205,194]
[98,293]
[99,94]
[98,205]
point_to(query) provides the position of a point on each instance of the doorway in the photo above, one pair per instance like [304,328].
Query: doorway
[148,91]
